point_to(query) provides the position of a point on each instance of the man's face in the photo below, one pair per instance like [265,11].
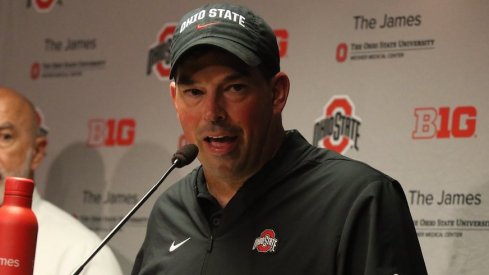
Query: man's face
[227,109]
[16,139]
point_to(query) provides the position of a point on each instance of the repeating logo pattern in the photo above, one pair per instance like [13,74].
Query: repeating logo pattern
[338,129]
[445,122]
[111,132]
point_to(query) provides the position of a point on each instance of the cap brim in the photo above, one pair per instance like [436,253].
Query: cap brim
[243,53]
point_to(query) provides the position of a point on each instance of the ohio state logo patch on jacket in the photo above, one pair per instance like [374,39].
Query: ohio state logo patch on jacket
[266,242]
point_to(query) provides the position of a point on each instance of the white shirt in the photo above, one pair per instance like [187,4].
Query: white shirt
[63,243]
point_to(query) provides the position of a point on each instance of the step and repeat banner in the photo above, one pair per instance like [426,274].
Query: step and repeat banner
[401,85]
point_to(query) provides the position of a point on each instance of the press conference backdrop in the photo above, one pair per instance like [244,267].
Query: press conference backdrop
[401,85]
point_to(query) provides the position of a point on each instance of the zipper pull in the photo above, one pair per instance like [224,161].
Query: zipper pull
[211,243]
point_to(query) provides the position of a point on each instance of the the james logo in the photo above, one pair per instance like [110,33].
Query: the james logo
[444,122]
[266,242]
[338,130]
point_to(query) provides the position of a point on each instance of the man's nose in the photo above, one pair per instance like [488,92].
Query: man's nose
[215,109]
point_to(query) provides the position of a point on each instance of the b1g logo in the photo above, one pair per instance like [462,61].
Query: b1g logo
[445,122]
[338,130]
[43,5]
[159,53]
[111,132]
[282,41]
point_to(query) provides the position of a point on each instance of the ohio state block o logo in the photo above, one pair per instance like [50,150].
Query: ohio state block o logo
[35,70]
[44,5]
[267,242]
[166,34]
[338,104]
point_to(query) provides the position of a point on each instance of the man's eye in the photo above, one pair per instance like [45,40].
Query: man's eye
[193,92]
[6,136]
[237,87]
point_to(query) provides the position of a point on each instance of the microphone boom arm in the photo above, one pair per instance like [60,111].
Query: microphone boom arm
[126,218]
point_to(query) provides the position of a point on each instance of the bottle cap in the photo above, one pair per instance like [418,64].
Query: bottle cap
[19,186]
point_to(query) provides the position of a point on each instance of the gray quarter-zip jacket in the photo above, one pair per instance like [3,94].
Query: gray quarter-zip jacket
[308,211]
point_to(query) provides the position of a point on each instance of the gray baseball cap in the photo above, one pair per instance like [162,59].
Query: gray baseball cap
[231,27]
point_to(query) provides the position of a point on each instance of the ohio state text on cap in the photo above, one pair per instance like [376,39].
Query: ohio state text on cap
[231,27]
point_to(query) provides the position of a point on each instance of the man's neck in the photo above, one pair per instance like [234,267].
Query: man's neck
[224,189]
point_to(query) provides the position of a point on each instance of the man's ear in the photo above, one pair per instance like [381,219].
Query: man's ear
[40,145]
[280,86]
[173,90]
[173,94]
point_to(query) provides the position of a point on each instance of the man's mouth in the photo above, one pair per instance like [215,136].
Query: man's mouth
[220,139]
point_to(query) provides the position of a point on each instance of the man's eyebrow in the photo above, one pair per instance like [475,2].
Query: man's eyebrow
[6,125]
[187,80]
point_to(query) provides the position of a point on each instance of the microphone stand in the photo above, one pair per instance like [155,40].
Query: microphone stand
[127,217]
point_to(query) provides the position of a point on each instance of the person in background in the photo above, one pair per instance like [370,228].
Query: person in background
[62,242]
[264,200]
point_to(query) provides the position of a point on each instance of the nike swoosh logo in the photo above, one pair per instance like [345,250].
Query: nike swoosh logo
[174,246]
[203,26]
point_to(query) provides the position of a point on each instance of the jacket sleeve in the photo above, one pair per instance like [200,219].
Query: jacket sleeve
[137,262]
[379,236]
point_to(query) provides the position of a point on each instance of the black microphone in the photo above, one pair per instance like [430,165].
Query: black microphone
[185,155]
[182,157]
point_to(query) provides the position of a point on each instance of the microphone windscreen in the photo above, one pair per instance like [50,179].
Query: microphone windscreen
[185,155]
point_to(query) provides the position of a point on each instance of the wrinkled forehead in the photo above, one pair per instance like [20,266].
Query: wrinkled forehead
[16,112]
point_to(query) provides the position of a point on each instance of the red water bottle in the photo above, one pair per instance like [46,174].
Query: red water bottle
[18,228]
